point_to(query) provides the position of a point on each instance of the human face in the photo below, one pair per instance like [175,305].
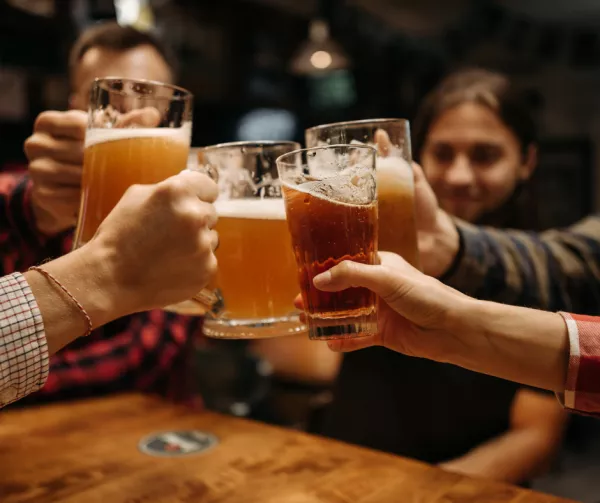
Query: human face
[473,161]
[141,62]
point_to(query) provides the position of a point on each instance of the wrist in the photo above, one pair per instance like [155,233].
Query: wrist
[89,276]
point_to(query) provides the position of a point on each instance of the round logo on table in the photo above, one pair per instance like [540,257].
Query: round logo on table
[177,443]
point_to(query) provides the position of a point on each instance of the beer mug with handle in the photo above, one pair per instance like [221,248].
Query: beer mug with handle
[395,184]
[256,282]
[138,133]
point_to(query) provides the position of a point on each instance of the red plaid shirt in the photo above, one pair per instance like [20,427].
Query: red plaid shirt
[582,389]
[147,351]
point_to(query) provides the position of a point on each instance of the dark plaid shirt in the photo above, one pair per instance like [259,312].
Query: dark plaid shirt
[146,351]
[558,270]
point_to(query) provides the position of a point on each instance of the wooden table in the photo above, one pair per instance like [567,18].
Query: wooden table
[87,452]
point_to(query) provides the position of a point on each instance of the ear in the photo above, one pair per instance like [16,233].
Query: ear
[529,163]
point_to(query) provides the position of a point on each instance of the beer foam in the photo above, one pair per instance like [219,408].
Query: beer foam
[102,135]
[263,209]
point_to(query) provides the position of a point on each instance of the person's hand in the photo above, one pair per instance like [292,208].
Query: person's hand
[55,153]
[157,245]
[416,312]
[437,235]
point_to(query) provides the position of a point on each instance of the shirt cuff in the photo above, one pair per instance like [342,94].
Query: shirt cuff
[582,387]
[24,358]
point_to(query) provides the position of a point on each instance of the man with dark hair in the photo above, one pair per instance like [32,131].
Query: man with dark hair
[112,50]
[146,351]
[55,150]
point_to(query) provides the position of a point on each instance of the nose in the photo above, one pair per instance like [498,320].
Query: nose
[460,173]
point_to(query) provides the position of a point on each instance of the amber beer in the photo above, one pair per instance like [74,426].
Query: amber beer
[395,186]
[257,271]
[115,159]
[331,220]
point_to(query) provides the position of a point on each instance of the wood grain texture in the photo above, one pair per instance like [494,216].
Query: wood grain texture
[86,452]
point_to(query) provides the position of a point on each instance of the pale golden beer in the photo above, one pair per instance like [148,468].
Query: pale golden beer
[257,271]
[395,185]
[138,132]
[256,281]
[396,194]
[115,159]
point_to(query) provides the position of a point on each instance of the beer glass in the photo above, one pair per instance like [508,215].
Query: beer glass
[256,279]
[138,132]
[330,198]
[395,185]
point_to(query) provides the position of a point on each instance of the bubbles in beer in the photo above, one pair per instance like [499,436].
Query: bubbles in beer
[354,185]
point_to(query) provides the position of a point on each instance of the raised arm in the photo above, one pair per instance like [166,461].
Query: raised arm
[555,270]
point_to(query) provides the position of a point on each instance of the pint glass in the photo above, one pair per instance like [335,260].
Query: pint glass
[395,185]
[138,132]
[256,279]
[331,205]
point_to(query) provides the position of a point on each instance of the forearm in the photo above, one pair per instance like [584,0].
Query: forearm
[84,275]
[556,270]
[514,343]
[514,457]
[299,359]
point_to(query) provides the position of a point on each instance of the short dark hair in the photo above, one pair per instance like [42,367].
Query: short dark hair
[110,35]
[490,89]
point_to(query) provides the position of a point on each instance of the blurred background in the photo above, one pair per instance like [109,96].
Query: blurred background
[269,68]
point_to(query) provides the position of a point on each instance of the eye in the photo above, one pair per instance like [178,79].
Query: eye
[442,153]
[485,154]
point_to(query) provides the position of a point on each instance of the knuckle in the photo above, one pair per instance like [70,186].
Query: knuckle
[45,119]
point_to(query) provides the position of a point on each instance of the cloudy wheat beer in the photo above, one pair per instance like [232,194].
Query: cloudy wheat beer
[138,133]
[332,217]
[257,276]
[395,185]
[257,271]
[115,159]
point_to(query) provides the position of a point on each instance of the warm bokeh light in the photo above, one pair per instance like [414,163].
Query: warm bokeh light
[321,59]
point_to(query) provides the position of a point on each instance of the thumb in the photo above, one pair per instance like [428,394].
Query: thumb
[349,274]
[383,142]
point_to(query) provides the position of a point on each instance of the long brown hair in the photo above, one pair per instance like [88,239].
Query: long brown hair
[494,91]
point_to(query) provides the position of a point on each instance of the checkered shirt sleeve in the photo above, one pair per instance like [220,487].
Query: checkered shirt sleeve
[24,355]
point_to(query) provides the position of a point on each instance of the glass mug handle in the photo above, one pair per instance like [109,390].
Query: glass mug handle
[209,299]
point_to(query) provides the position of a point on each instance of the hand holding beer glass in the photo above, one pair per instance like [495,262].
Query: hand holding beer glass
[395,184]
[138,133]
[331,206]
[256,279]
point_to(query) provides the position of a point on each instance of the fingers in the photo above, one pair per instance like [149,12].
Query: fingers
[62,150]
[418,174]
[144,117]
[49,172]
[66,125]
[201,185]
[382,140]
[214,240]
[299,303]
[348,274]
[347,345]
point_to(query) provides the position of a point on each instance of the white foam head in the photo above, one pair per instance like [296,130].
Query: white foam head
[260,209]
[101,135]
